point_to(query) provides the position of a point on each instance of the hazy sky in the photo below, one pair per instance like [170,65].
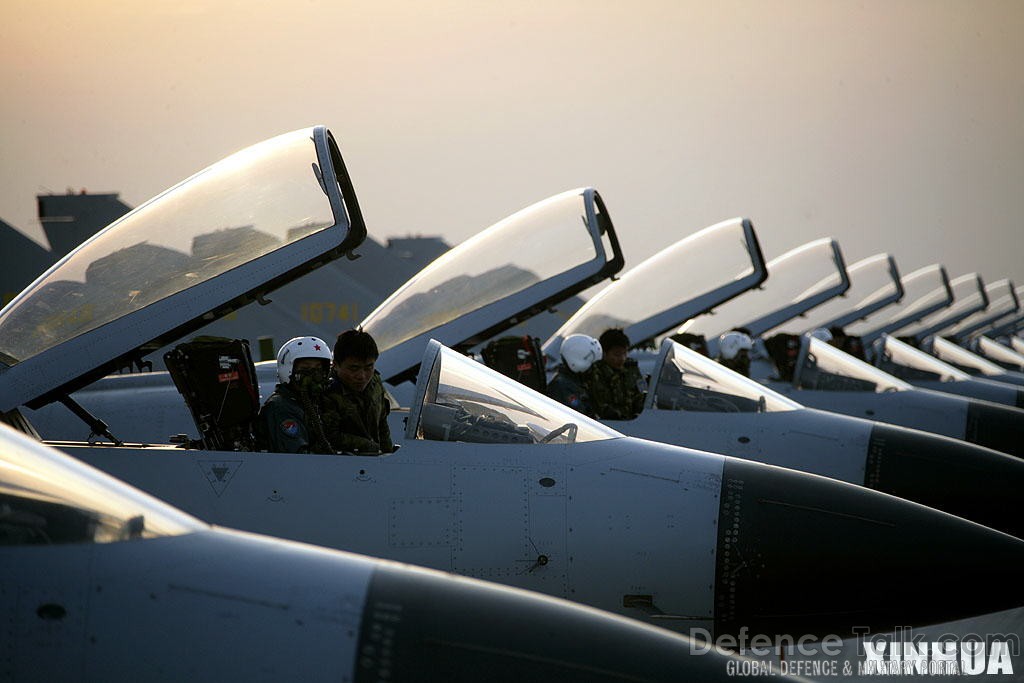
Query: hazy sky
[892,125]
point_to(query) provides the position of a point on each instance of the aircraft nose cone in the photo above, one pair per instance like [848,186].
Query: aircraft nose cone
[960,478]
[431,627]
[831,556]
[996,426]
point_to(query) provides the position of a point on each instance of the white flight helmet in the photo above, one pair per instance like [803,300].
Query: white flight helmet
[731,343]
[300,347]
[580,351]
[822,334]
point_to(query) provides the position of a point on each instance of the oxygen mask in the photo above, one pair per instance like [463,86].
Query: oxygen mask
[312,381]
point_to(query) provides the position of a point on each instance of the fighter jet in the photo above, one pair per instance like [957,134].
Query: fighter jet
[101,582]
[717,264]
[827,378]
[971,301]
[929,293]
[970,312]
[970,333]
[493,480]
[696,402]
[496,481]
[856,387]
[985,332]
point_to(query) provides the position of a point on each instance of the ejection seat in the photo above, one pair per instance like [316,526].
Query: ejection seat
[520,358]
[217,378]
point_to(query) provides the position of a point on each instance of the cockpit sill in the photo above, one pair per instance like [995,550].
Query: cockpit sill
[457,399]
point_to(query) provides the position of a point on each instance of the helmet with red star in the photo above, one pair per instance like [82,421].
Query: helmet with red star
[297,348]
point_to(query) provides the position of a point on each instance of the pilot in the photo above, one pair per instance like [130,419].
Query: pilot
[734,351]
[695,342]
[849,343]
[614,383]
[356,406]
[569,385]
[290,420]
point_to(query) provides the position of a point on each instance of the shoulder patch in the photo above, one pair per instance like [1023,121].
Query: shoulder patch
[290,427]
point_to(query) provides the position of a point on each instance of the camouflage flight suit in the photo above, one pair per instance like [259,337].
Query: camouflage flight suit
[616,394]
[284,425]
[357,422]
[569,388]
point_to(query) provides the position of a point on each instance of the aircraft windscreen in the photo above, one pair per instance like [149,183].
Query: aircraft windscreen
[906,362]
[530,246]
[1017,344]
[48,498]
[969,297]
[687,270]
[925,290]
[466,401]
[797,281]
[693,382]
[962,358]
[996,352]
[243,207]
[874,284]
[826,368]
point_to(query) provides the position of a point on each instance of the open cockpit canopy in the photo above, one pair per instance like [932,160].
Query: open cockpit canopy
[925,291]
[874,284]
[969,297]
[1009,325]
[1002,305]
[799,280]
[211,244]
[690,277]
[519,266]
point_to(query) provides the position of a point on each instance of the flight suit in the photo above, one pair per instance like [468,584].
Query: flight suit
[357,421]
[616,394]
[570,388]
[283,424]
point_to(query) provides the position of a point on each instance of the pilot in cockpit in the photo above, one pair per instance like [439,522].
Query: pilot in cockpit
[616,387]
[290,420]
[569,385]
[734,351]
[356,407]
